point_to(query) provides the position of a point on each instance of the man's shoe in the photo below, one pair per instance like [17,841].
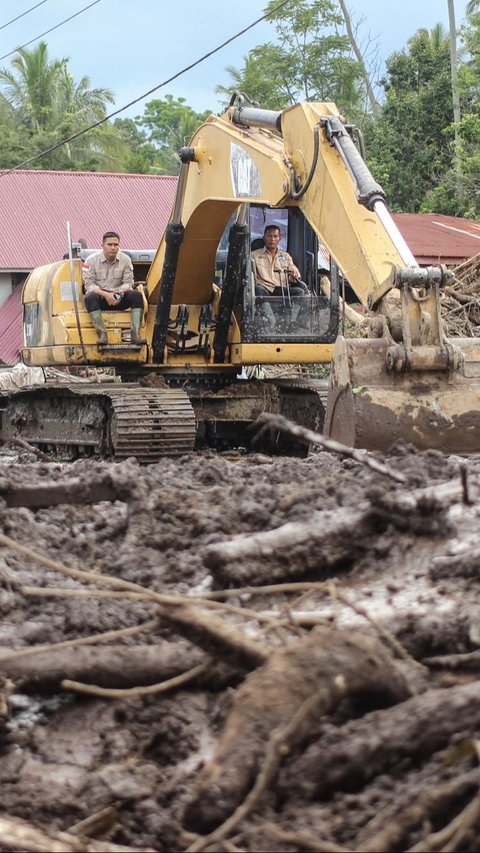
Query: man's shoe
[137,339]
[102,338]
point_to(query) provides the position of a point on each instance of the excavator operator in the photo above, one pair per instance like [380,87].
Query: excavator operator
[277,275]
[108,280]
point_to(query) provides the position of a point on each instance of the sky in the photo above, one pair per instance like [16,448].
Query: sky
[132,46]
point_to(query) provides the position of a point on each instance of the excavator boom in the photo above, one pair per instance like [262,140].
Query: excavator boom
[405,381]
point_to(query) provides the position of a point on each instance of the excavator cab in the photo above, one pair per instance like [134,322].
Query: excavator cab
[303,313]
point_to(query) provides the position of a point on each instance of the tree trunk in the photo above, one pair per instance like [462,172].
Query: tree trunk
[455,96]
[374,105]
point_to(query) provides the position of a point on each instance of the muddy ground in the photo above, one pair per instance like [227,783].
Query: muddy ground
[325,614]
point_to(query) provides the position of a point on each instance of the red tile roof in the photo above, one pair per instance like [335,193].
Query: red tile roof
[36,206]
[11,332]
[434,238]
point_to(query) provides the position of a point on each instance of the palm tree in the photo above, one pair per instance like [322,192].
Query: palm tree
[29,87]
[472,7]
[43,99]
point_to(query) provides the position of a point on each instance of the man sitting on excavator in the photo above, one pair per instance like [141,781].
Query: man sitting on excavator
[109,286]
[274,272]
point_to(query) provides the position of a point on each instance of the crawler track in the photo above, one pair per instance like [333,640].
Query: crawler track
[116,421]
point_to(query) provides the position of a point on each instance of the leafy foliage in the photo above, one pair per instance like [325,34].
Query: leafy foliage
[171,123]
[40,104]
[409,148]
[309,61]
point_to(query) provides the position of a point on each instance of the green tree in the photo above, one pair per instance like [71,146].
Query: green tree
[444,196]
[171,123]
[42,104]
[141,153]
[408,148]
[310,60]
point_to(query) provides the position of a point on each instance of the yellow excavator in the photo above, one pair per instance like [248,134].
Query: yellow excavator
[303,169]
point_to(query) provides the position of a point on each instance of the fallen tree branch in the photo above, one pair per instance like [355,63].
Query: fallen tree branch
[468,662]
[20,442]
[302,840]
[278,422]
[98,823]
[278,745]
[207,600]
[117,583]
[216,636]
[103,487]
[8,655]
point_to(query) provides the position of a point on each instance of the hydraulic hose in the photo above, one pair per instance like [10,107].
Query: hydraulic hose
[369,191]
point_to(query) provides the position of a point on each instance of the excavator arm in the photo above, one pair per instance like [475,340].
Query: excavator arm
[409,380]
[305,157]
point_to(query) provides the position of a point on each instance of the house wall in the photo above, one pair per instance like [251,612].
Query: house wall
[5,286]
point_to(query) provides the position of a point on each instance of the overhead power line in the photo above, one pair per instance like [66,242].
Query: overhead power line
[23,14]
[145,94]
[51,29]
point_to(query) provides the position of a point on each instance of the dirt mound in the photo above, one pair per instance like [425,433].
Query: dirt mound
[239,652]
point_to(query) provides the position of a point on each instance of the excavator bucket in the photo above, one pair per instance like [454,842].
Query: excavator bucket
[370,406]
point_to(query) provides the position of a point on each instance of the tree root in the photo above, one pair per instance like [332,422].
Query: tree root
[328,664]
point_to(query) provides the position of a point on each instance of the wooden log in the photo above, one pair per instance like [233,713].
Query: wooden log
[463,298]
[292,550]
[331,537]
[467,662]
[118,666]
[75,490]
[365,748]
[320,670]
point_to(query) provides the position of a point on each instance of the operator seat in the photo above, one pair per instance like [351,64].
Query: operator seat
[257,243]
